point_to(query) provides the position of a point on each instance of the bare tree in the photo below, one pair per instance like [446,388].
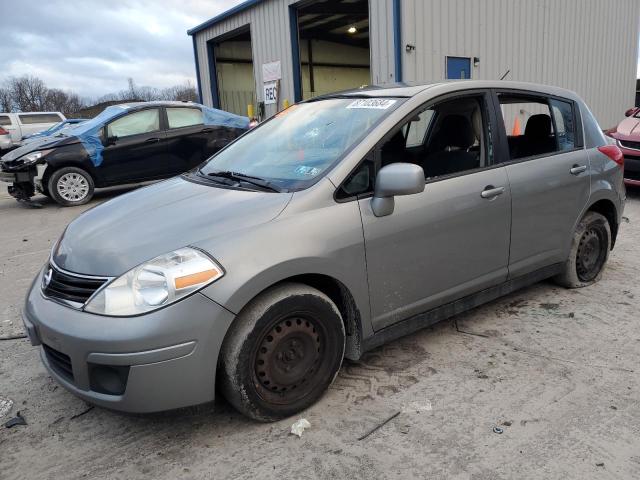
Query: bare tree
[28,93]
[60,101]
[182,93]
[6,101]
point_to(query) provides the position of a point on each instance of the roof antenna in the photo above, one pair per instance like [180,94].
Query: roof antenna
[505,74]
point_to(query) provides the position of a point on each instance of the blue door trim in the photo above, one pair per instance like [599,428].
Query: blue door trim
[213,75]
[397,39]
[295,53]
[195,55]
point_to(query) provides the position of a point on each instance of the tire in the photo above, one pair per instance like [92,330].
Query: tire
[70,186]
[589,252]
[282,352]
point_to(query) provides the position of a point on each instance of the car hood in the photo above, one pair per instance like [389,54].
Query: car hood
[629,127]
[117,235]
[40,143]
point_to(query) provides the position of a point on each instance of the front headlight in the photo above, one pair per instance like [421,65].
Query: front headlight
[156,283]
[33,157]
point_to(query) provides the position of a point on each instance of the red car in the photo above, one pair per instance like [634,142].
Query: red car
[627,134]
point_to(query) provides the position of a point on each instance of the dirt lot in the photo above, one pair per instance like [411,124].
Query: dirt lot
[555,369]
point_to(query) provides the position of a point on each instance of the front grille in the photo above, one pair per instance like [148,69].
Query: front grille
[60,362]
[70,287]
[630,144]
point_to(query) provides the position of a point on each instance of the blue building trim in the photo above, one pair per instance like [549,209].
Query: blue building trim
[397,39]
[224,15]
[195,55]
[295,53]
[213,75]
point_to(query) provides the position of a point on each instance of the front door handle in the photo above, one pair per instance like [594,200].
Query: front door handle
[152,140]
[490,191]
[578,169]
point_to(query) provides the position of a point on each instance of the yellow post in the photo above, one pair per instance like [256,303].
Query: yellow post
[250,110]
[285,103]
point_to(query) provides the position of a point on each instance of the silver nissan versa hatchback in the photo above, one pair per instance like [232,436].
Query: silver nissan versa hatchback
[341,223]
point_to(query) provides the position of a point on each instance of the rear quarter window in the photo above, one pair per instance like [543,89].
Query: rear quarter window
[31,118]
[184,117]
[5,120]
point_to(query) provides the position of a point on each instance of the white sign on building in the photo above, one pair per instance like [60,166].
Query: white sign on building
[271,71]
[270,93]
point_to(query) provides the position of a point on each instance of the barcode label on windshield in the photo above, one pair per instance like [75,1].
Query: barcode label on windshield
[375,103]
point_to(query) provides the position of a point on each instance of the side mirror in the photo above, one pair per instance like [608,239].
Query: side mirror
[392,180]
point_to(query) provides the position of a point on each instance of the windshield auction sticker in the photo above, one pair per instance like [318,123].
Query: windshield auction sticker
[375,103]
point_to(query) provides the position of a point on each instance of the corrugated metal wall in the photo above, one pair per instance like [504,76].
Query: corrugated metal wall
[270,40]
[381,41]
[589,46]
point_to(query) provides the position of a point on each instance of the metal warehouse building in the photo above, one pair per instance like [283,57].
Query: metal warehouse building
[268,53]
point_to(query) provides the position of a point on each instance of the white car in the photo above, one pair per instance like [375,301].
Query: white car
[5,139]
[19,125]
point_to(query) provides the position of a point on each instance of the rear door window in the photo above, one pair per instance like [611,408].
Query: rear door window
[31,118]
[564,122]
[136,123]
[532,127]
[184,117]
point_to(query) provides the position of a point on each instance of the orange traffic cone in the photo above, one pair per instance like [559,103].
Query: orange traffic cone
[516,127]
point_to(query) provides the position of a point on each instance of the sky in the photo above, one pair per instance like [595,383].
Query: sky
[92,47]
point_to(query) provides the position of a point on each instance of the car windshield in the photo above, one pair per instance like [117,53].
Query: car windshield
[296,147]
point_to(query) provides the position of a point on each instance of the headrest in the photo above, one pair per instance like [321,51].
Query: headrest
[456,131]
[476,120]
[538,126]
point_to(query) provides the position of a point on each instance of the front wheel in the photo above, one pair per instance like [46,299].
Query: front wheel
[589,252]
[70,186]
[282,352]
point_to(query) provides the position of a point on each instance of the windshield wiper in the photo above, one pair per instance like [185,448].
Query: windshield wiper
[240,177]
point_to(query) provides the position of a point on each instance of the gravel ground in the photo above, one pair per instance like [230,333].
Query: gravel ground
[554,368]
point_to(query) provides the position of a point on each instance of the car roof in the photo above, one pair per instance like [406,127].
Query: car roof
[157,103]
[412,89]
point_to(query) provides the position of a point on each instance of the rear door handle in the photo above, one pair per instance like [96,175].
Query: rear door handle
[152,140]
[490,191]
[578,169]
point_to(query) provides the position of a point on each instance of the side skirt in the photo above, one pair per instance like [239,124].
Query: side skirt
[423,320]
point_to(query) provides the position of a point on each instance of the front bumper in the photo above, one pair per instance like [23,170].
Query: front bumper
[631,166]
[169,355]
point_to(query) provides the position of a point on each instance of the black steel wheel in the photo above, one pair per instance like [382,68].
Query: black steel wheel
[592,253]
[289,358]
[282,352]
[589,252]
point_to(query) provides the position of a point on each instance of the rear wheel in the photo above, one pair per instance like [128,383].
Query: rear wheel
[70,186]
[589,252]
[282,352]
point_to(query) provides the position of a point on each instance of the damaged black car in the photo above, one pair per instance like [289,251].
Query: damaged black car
[128,143]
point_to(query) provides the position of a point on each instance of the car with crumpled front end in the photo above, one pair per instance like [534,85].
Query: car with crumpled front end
[126,143]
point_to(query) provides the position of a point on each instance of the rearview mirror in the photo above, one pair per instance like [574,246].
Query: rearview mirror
[111,141]
[392,180]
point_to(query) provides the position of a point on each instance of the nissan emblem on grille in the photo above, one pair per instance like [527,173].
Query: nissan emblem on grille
[46,280]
